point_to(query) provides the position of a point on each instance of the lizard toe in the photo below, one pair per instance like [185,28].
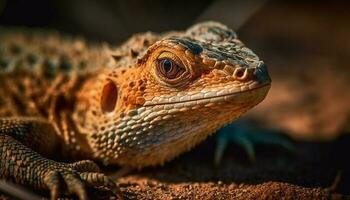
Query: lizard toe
[74,185]
[85,166]
[96,179]
[52,181]
[247,134]
[69,179]
[101,180]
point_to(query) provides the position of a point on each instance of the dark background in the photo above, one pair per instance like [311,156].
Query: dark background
[113,21]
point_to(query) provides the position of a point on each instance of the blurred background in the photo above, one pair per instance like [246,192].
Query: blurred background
[305,44]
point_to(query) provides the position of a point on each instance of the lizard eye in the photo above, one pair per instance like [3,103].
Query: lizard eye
[169,69]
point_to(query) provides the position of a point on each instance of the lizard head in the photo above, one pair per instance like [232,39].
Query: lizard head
[182,87]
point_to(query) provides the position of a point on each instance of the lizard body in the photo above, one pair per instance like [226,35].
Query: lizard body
[140,104]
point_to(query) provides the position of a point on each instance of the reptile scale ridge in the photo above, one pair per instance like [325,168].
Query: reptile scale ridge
[140,104]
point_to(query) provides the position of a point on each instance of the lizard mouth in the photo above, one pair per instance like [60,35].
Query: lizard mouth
[211,97]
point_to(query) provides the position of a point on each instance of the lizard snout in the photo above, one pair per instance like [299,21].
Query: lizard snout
[261,74]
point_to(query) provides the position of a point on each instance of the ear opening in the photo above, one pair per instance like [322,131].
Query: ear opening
[109,97]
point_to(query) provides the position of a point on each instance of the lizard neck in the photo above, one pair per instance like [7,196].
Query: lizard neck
[84,116]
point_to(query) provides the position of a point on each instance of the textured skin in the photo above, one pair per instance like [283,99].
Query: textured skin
[59,94]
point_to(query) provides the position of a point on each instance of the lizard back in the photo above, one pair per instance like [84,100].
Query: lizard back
[42,70]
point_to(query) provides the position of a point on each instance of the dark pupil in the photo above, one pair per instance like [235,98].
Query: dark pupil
[167,64]
[169,69]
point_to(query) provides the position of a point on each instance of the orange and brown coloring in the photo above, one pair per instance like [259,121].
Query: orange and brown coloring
[139,104]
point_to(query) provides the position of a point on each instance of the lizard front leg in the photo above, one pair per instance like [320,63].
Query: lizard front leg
[24,141]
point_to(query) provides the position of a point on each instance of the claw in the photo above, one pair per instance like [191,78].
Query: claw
[221,145]
[52,180]
[246,135]
[74,177]
[224,137]
[75,185]
[248,146]
[99,179]
[276,139]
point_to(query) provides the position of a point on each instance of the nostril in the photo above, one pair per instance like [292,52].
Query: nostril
[239,73]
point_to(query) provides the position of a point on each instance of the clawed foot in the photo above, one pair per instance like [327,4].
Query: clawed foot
[72,178]
[247,134]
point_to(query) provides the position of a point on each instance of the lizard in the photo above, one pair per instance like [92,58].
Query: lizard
[138,104]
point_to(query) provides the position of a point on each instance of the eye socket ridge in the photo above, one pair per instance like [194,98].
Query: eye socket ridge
[168,68]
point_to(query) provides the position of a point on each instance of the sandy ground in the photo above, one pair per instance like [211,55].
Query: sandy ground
[276,174]
[308,174]
[316,171]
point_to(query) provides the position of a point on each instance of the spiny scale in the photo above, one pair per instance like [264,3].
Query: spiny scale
[35,65]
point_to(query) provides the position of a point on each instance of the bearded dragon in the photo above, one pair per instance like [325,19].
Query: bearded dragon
[139,104]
